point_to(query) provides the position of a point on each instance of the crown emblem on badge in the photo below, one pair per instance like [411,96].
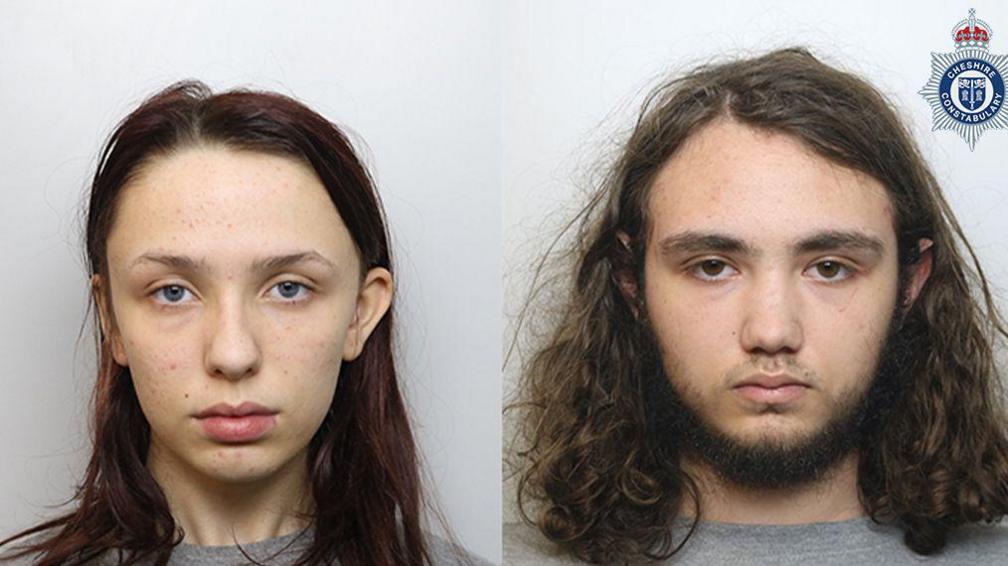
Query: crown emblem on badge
[971,32]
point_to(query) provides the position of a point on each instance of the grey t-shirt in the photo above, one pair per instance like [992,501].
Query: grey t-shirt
[280,551]
[857,541]
[285,550]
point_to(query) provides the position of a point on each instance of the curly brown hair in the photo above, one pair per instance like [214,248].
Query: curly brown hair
[591,474]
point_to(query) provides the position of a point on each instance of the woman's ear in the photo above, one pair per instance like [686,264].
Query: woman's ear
[373,302]
[109,331]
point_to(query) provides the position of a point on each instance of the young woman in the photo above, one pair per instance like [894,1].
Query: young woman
[246,405]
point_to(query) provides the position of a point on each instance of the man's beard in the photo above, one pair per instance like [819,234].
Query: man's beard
[677,428]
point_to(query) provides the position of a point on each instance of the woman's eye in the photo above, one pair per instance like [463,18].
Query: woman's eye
[290,290]
[831,270]
[172,294]
[712,269]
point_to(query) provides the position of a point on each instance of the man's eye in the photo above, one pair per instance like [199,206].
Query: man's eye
[831,270]
[711,269]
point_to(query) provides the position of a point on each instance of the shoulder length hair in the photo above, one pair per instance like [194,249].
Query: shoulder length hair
[592,476]
[362,461]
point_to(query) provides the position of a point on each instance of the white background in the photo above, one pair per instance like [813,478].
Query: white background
[575,73]
[465,107]
[418,83]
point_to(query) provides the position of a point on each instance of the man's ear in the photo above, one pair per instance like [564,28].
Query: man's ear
[109,330]
[920,274]
[373,302]
[624,276]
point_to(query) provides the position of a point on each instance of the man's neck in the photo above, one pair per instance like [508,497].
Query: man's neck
[219,513]
[831,498]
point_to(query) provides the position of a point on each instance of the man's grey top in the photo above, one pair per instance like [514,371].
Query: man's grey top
[856,541]
[280,551]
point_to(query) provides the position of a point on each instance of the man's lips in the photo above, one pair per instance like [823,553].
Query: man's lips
[773,389]
[770,381]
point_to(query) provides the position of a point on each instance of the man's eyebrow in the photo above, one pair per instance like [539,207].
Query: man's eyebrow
[699,242]
[840,239]
[271,263]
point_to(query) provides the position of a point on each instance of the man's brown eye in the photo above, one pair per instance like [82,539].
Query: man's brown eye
[712,267]
[828,269]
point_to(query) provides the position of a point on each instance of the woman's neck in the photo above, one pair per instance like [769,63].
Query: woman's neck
[214,512]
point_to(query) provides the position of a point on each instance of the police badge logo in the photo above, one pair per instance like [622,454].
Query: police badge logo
[967,88]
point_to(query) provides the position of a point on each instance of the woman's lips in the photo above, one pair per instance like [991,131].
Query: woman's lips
[248,428]
[246,422]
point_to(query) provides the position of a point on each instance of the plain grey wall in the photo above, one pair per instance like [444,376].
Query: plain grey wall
[419,83]
[575,73]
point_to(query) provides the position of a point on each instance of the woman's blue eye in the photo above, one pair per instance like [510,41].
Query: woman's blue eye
[172,293]
[176,294]
[289,290]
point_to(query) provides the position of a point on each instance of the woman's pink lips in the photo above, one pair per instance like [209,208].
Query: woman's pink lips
[248,428]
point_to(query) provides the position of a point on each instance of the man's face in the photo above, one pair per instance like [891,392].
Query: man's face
[770,281]
[233,280]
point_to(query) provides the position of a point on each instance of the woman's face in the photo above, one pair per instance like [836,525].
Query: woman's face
[235,288]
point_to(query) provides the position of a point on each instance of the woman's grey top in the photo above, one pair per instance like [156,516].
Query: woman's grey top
[279,551]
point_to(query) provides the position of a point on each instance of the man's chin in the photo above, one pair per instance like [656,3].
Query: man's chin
[779,436]
[777,455]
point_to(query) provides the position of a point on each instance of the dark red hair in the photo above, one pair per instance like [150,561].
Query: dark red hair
[362,461]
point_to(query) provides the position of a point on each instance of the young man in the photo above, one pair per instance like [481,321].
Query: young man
[775,350]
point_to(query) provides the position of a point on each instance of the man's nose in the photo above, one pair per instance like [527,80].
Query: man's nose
[772,316]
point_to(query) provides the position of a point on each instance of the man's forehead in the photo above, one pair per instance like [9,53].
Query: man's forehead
[756,186]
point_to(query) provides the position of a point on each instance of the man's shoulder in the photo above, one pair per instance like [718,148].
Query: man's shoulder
[977,544]
[524,544]
[969,545]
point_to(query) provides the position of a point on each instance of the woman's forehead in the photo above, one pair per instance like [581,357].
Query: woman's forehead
[211,201]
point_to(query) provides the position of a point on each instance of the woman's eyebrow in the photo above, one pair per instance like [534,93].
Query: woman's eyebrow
[269,263]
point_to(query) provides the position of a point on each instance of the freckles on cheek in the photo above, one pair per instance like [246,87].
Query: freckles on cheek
[160,369]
